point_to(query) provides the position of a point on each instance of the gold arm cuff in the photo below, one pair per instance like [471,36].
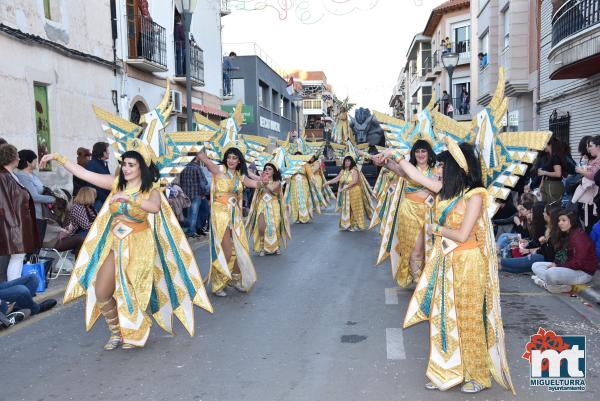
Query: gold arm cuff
[60,158]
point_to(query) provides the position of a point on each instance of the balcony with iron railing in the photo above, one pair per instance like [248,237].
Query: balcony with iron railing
[196,63]
[460,111]
[575,40]
[147,44]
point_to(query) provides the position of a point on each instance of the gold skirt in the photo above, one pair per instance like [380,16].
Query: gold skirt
[352,209]
[271,240]
[411,219]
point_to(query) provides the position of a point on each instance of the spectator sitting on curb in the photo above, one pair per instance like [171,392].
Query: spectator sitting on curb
[21,292]
[78,221]
[538,249]
[575,260]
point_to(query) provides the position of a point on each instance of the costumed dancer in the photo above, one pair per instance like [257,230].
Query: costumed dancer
[458,291]
[135,255]
[230,251]
[414,210]
[326,193]
[268,218]
[355,198]
[301,195]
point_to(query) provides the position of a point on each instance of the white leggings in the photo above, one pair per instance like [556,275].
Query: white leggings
[15,266]
[559,275]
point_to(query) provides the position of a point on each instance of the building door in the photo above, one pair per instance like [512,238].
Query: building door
[133,26]
[42,120]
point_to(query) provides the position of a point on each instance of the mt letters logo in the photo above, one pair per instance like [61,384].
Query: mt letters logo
[557,362]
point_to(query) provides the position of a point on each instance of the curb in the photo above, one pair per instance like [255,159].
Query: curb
[590,294]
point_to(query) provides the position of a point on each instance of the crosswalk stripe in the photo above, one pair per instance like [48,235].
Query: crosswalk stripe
[391,296]
[395,343]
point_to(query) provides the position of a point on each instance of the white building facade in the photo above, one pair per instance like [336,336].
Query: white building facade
[57,61]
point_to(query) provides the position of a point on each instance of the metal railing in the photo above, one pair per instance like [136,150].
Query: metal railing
[573,17]
[196,61]
[149,40]
[459,107]
[436,59]
[464,46]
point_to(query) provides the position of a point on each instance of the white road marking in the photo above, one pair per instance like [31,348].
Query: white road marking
[391,296]
[395,343]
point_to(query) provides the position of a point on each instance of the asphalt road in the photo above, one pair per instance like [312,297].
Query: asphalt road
[323,323]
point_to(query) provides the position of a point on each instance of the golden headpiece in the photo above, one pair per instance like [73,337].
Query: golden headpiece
[456,153]
[139,146]
[239,144]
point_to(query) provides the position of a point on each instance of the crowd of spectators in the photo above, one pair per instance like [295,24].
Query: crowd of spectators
[552,230]
[23,224]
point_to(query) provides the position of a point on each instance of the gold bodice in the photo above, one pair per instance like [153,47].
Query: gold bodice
[229,183]
[412,186]
[346,177]
[126,211]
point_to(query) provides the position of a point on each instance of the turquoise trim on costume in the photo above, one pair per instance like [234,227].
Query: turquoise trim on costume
[447,210]
[442,315]
[182,269]
[126,214]
[269,210]
[90,269]
[213,249]
[392,231]
[168,279]
[154,305]
[122,279]
[426,304]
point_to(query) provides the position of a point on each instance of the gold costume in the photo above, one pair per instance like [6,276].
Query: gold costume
[354,203]
[458,293]
[301,197]
[384,190]
[226,213]
[273,209]
[413,214]
[154,266]
[326,194]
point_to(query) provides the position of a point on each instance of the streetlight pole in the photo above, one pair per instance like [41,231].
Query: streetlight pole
[187,22]
[187,8]
[450,60]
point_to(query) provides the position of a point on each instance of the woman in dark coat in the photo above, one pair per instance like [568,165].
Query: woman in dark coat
[18,231]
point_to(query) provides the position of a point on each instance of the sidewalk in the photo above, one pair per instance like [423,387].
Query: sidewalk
[591,292]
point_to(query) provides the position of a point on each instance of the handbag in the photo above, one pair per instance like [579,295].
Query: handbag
[34,266]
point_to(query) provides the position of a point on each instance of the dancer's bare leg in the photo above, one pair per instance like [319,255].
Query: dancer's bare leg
[105,289]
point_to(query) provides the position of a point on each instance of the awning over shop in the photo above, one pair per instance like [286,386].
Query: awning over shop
[203,108]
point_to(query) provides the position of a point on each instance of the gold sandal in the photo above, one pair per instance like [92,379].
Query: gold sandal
[109,311]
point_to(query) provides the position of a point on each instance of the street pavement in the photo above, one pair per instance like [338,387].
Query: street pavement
[322,323]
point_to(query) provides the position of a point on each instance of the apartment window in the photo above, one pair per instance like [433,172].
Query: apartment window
[42,120]
[47,13]
[181,124]
[282,111]
[263,95]
[461,38]
[506,25]
[484,45]
[275,102]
